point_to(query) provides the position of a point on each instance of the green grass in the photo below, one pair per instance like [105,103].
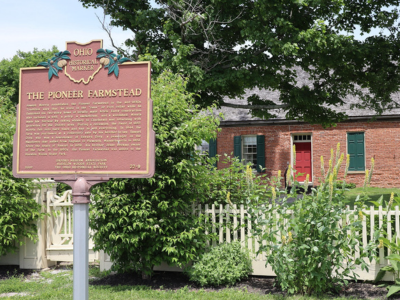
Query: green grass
[59,287]
[373,194]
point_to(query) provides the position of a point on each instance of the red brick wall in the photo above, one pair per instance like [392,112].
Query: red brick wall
[382,142]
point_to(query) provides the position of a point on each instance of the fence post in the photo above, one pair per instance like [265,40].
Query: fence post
[214,221]
[249,237]
[381,250]
[397,225]
[206,214]
[221,228]
[235,223]
[242,238]
[364,230]
[228,221]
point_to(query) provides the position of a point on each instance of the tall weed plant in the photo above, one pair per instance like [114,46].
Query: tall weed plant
[310,244]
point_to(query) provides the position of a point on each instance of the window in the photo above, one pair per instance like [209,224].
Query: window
[203,148]
[355,148]
[302,138]
[250,148]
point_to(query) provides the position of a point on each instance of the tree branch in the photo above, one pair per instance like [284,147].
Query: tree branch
[107,29]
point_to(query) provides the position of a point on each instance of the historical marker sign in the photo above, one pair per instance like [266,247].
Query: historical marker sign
[86,112]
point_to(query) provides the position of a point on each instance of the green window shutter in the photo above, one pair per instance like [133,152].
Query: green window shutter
[260,152]
[355,147]
[237,146]
[212,150]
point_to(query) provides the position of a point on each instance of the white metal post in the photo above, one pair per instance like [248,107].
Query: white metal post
[81,251]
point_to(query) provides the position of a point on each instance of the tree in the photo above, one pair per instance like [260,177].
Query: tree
[18,210]
[143,222]
[226,47]
[9,69]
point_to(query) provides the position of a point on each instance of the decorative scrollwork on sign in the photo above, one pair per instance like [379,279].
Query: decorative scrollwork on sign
[56,63]
[111,60]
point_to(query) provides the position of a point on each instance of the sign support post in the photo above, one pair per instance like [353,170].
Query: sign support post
[81,252]
[81,199]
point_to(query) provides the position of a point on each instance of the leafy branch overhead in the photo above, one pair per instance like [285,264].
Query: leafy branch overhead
[56,63]
[111,60]
[306,55]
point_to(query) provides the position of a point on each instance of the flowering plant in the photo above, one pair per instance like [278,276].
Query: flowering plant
[310,240]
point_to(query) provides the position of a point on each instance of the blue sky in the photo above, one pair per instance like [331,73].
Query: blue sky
[29,24]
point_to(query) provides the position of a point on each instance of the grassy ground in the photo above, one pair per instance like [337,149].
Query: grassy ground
[373,194]
[58,286]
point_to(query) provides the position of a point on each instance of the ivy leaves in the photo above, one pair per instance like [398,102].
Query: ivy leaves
[56,63]
[110,60]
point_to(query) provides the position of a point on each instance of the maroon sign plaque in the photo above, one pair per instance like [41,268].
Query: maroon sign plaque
[86,112]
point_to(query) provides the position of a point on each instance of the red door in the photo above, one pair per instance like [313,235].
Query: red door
[303,161]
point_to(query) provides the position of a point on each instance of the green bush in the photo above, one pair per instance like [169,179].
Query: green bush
[18,210]
[339,185]
[236,183]
[224,264]
[143,222]
[349,186]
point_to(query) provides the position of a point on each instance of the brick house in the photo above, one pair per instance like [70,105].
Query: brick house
[269,142]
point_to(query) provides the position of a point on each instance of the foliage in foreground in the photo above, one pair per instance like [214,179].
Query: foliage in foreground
[9,70]
[224,264]
[143,222]
[18,210]
[311,244]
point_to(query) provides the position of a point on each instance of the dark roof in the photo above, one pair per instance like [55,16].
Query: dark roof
[234,115]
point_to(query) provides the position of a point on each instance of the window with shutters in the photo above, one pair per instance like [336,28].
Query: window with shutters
[209,148]
[250,148]
[203,148]
[356,150]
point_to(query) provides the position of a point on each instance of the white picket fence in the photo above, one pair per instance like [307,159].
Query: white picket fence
[232,223]
[229,223]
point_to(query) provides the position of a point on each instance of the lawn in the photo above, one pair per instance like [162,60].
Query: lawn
[373,193]
[57,285]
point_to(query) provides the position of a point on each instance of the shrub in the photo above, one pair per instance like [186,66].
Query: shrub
[18,210]
[349,186]
[341,184]
[224,264]
[141,223]
[306,247]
